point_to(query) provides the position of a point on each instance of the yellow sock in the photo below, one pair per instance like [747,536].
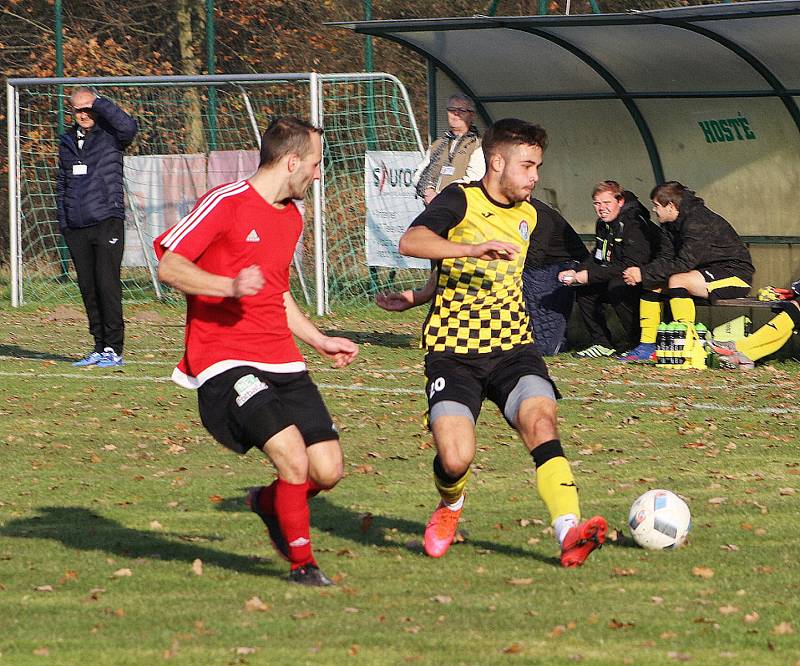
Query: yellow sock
[649,319]
[557,488]
[682,309]
[768,339]
[450,490]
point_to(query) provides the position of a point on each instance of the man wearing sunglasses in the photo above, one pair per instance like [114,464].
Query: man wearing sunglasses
[91,215]
[448,159]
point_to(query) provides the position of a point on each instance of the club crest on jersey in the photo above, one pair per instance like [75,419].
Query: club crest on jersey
[252,237]
[524,231]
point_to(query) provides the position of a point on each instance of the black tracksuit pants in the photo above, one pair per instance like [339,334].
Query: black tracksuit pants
[625,301]
[96,252]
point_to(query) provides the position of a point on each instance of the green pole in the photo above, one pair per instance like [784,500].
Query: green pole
[212,91]
[543,7]
[492,8]
[596,8]
[58,27]
[372,139]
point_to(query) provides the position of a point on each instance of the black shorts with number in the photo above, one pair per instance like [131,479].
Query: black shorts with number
[469,379]
[244,407]
[723,283]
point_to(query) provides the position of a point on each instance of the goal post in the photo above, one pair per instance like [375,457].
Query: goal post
[181,151]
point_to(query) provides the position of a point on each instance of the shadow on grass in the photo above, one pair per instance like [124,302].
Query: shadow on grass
[82,529]
[381,530]
[392,340]
[20,352]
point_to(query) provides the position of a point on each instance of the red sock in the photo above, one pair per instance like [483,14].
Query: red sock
[266,498]
[291,510]
[312,488]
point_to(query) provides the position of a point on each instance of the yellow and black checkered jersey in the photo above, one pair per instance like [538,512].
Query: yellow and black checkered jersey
[478,305]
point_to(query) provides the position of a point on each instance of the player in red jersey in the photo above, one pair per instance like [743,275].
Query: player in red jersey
[230,256]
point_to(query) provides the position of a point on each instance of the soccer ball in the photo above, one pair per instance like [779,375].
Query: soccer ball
[659,519]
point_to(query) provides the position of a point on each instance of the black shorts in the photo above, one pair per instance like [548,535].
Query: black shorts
[245,407]
[470,379]
[724,284]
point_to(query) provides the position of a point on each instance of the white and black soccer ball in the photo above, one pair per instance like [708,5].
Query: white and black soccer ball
[659,520]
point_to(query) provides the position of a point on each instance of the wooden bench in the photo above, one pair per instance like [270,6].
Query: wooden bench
[760,312]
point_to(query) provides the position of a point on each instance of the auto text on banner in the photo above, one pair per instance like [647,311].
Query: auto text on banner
[391,205]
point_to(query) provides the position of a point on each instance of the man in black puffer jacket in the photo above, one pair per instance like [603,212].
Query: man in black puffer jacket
[704,257]
[624,236]
[91,215]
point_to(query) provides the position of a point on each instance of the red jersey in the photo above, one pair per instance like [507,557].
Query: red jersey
[230,228]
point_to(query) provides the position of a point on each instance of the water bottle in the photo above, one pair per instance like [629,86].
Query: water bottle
[661,344]
[702,335]
[680,344]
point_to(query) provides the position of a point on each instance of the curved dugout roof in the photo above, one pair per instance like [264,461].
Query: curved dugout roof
[709,95]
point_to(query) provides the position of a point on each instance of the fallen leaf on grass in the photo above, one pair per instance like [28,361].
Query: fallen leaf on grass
[717,500]
[41,652]
[703,572]
[197,567]
[763,570]
[353,651]
[442,599]
[44,588]
[303,615]
[783,629]
[245,650]
[787,491]
[679,656]
[366,521]
[514,648]
[617,624]
[751,618]
[121,573]
[727,610]
[619,571]
[657,600]
[216,499]
[255,605]
[155,525]
[520,581]
[364,469]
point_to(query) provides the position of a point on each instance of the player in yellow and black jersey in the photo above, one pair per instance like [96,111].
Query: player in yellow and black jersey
[478,305]
[478,339]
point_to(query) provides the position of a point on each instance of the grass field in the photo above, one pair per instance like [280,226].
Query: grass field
[124,538]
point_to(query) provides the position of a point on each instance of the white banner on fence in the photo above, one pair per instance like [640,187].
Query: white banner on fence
[391,205]
[161,190]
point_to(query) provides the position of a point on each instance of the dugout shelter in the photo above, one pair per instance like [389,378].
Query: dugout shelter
[708,95]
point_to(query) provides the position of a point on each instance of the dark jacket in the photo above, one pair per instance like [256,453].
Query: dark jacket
[630,240]
[698,240]
[86,200]
[553,240]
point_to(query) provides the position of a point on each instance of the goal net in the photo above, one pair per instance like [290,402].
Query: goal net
[196,133]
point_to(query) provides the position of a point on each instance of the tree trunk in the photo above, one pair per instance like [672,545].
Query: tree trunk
[195,140]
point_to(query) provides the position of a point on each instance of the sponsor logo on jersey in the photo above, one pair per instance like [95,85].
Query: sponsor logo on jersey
[524,230]
[252,237]
[299,541]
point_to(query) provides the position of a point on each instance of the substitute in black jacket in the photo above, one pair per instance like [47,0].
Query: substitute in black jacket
[624,236]
[704,258]
[554,247]
[91,214]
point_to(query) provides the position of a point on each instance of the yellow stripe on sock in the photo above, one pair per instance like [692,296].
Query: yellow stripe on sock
[557,488]
[768,339]
[726,282]
[451,492]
